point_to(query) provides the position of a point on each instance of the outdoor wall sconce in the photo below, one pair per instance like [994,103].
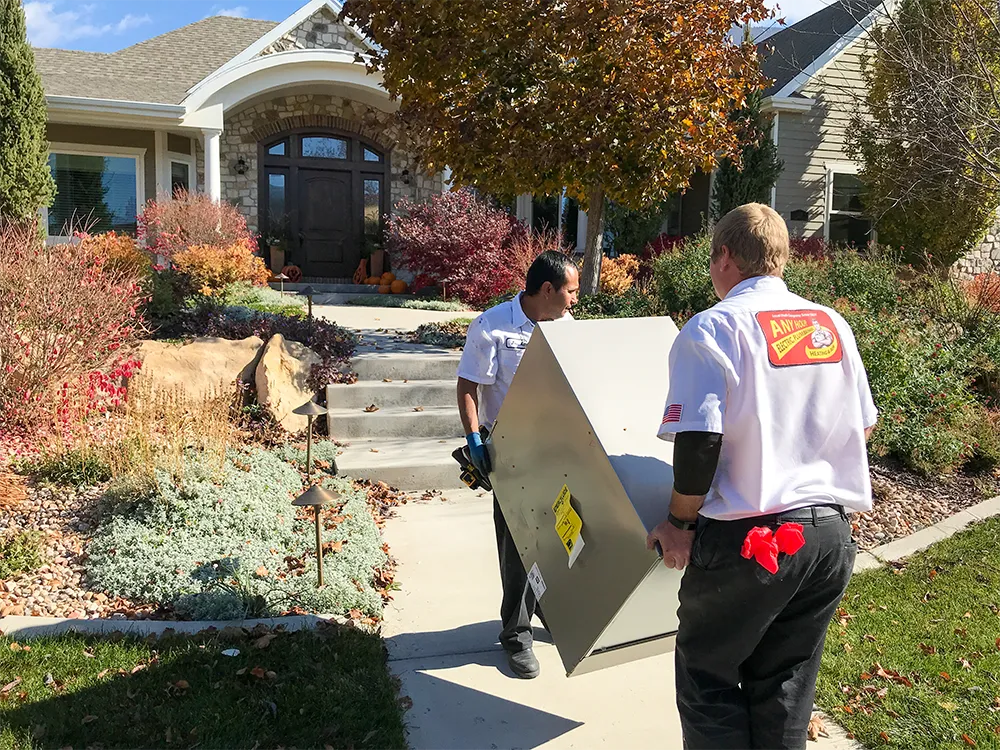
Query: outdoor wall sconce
[316,497]
[240,167]
[406,176]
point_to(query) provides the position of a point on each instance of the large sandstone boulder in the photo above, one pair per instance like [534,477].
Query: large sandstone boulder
[282,377]
[200,367]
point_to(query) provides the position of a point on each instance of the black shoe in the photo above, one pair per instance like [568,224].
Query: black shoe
[524,664]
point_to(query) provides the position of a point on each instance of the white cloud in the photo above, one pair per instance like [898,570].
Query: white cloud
[240,11]
[48,27]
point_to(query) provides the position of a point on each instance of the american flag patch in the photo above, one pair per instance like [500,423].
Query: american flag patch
[673,414]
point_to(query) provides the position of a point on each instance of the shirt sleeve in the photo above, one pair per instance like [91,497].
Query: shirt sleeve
[696,399]
[479,356]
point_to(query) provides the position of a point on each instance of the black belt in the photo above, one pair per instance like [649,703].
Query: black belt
[812,514]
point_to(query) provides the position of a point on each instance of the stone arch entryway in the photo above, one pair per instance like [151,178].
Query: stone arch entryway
[327,188]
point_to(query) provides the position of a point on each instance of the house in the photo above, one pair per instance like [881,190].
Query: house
[281,119]
[817,68]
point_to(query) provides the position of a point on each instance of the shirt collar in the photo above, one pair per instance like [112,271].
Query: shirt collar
[758,284]
[517,315]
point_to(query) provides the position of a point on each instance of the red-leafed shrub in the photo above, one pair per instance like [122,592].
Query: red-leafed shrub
[984,291]
[189,219]
[663,244]
[475,251]
[65,318]
[809,247]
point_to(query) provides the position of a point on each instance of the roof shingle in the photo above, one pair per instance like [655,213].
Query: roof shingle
[800,45]
[159,70]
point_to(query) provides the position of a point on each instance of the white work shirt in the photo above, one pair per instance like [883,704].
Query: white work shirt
[781,379]
[493,349]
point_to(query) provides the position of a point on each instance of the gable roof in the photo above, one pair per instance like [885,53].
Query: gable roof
[798,48]
[159,70]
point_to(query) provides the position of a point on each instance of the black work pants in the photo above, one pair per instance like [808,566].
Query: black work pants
[518,604]
[749,643]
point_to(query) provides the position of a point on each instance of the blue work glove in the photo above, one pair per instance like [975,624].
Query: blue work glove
[477,451]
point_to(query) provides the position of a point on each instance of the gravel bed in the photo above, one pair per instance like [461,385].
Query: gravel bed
[905,503]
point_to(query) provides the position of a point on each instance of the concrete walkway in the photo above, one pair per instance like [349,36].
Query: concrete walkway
[441,630]
[394,318]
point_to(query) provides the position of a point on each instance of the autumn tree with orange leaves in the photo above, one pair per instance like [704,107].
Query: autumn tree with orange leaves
[618,99]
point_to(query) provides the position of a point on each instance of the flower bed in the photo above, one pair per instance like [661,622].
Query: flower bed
[211,544]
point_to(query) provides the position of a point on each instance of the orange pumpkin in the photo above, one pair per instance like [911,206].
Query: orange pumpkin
[373,281]
[398,286]
[384,289]
[388,278]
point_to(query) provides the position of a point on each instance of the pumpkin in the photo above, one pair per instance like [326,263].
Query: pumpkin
[373,281]
[398,286]
[384,289]
[362,273]
[388,278]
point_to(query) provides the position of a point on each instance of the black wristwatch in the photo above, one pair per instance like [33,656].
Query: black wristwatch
[682,525]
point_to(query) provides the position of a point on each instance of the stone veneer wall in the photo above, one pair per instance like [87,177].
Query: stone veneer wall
[320,31]
[246,127]
[985,258]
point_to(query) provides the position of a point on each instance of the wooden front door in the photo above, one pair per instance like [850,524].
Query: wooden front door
[328,245]
[327,192]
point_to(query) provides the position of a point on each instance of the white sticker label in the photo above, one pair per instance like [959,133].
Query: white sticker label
[577,549]
[536,581]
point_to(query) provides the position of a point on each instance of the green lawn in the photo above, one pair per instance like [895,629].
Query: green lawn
[307,689]
[913,658]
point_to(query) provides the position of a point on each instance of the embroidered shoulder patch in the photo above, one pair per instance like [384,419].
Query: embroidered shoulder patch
[673,414]
[800,337]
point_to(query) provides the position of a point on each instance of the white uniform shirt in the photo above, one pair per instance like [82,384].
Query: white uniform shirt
[493,349]
[781,378]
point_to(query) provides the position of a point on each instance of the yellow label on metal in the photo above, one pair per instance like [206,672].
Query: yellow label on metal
[568,522]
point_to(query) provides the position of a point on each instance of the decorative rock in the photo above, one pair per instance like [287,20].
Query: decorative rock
[199,367]
[282,377]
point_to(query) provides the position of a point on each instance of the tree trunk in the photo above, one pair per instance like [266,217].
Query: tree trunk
[594,251]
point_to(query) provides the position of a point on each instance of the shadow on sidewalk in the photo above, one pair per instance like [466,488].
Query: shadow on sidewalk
[475,643]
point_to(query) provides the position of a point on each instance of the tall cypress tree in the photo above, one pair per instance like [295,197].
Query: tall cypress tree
[25,181]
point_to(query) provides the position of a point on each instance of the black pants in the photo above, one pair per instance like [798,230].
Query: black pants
[518,603]
[749,644]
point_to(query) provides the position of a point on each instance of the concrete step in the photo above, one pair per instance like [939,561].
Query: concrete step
[407,363]
[397,393]
[407,464]
[346,298]
[395,422]
[326,288]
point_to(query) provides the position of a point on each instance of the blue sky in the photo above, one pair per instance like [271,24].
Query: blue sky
[109,25]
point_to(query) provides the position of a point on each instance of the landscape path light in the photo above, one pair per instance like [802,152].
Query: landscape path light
[316,497]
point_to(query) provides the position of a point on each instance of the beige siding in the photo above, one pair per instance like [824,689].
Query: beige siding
[87,135]
[808,141]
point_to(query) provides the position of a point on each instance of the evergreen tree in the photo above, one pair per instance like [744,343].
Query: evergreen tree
[752,180]
[25,181]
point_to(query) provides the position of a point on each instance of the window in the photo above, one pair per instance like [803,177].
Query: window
[373,209]
[372,155]
[98,189]
[279,149]
[276,195]
[180,176]
[324,147]
[846,221]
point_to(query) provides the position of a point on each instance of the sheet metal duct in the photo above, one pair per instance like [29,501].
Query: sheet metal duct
[582,413]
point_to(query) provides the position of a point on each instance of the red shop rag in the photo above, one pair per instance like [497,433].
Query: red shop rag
[763,545]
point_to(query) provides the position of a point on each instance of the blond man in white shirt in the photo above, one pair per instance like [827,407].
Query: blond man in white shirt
[769,409]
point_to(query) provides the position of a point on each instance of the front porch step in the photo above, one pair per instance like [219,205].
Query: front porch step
[338,298]
[395,421]
[424,393]
[326,288]
[405,463]
[407,362]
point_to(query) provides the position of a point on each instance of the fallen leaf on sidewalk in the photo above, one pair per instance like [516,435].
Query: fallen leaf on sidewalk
[418,408]
[386,380]
[370,409]
[373,450]
[817,728]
